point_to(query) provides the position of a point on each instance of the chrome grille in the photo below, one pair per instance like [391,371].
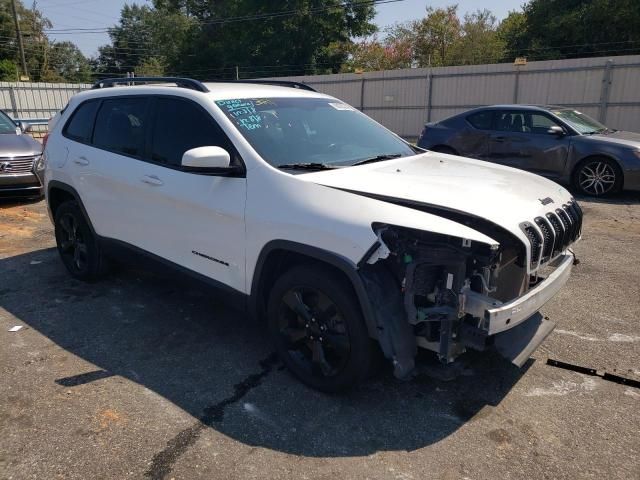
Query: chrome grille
[555,231]
[16,165]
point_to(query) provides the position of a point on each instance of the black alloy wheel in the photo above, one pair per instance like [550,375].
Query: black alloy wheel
[77,245]
[73,247]
[318,329]
[314,331]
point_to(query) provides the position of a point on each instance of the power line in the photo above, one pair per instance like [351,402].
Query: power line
[242,18]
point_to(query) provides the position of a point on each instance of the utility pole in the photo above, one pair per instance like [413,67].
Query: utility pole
[19,34]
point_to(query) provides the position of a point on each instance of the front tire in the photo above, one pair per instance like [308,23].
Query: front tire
[598,177]
[318,330]
[77,245]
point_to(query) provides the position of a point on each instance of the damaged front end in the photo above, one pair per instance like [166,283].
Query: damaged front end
[447,294]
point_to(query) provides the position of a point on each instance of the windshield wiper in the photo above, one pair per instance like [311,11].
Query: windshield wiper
[306,166]
[377,158]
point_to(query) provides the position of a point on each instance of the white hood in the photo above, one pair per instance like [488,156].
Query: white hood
[502,195]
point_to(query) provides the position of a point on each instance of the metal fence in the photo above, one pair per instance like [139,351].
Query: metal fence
[28,100]
[606,88]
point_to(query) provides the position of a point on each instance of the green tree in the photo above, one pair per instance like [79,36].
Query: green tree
[479,41]
[268,38]
[67,63]
[8,70]
[45,61]
[513,31]
[145,39]
[436,34]
[151,67]
[577,28]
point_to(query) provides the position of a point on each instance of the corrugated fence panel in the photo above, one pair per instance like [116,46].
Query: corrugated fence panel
[36,100]
[607,88]
[560,88]
[472,90]
[401,100]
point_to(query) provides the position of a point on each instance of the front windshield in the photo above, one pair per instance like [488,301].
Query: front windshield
[580,122]
[286,131]
[6,124]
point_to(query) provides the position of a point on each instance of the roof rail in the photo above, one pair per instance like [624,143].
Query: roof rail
[180,82]
[280,83]
[193,84]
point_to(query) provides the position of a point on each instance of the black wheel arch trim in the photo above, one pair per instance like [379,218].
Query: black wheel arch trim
[56,184]
[343,264]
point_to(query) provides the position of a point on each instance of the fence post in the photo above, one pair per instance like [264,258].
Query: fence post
[14,105]
[362,95]
[516,85]
[429,96]
[604,91]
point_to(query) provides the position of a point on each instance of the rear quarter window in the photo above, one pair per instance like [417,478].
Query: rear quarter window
[481,120]
[80,125]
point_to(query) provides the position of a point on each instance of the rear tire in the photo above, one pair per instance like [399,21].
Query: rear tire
[597,177]
[77,245]
[318,330]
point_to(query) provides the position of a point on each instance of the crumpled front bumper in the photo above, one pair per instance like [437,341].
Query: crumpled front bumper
[516,327]
[510,314]
[498,317]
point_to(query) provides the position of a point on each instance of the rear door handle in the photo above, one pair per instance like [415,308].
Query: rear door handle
[81,161]
[151,180]
[498,138]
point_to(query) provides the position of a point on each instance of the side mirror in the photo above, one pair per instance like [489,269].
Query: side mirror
[556,130]
[23,126]
[206,157]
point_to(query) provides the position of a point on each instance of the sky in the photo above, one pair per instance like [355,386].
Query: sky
[104,13]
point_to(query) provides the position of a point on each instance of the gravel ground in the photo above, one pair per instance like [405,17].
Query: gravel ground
[142,376]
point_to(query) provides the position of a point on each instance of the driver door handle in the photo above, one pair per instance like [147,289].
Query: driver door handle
[498,138]
[81,161]
[152,180]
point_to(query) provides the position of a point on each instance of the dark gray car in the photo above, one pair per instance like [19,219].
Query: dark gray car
[18,156]
[560,143]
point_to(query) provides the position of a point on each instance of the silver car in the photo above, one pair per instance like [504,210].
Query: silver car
[18,156]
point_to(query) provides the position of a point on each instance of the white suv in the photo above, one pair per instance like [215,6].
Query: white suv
[313,216]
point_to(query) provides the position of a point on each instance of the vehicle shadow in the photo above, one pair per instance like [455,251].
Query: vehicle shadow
[181,343]
[6,203]
[622,198]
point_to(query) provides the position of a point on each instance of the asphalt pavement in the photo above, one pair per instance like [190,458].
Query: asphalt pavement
[143,376]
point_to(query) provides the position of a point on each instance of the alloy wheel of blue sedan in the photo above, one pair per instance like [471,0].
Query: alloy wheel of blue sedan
[597,178]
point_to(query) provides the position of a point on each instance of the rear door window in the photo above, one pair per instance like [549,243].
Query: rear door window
[481,120]
[80,127]
[180,125]
[120,125]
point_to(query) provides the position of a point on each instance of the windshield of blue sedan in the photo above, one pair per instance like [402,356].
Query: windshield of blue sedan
[580,122]
[313,131]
